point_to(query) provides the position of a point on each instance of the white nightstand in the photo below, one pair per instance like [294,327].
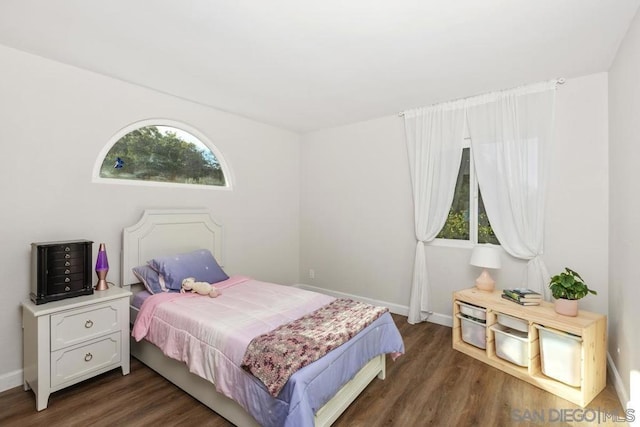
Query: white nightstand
[68,341]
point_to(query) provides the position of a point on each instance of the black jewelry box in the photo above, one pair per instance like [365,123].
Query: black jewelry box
[60,270]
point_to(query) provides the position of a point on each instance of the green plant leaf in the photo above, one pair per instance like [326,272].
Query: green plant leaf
[569,285]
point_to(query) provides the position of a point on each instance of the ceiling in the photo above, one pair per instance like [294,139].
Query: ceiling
[305,65]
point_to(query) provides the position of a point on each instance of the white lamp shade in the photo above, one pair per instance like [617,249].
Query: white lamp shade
[485,256]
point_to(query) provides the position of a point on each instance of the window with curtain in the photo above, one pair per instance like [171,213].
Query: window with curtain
[510,134]
[467,219]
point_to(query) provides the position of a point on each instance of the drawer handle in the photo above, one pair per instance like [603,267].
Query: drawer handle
[67,271]
[88,324]
[67,256]
[88,357]
[66,288]
[67,248]
[67,263]
[67,280]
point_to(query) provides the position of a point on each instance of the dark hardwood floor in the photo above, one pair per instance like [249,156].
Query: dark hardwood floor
[431,384]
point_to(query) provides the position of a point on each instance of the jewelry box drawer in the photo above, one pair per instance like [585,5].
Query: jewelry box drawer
[64,269]
[60,283]
[75,326]
[74,362]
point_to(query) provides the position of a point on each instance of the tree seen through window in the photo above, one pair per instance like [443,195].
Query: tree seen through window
[463,212]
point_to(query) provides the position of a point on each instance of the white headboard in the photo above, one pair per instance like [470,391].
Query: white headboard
[168,231]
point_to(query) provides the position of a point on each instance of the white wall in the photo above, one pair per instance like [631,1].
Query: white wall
[54,121]
[624,288]
[357,215]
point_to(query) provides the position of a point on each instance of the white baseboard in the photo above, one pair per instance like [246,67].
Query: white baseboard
[617,382]
[11,380]
[403,310]
[441,319]
[623,397]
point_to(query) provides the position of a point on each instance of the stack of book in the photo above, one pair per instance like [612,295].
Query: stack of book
[522,296]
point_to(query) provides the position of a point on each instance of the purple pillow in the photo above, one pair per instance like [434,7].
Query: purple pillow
[198,264]
[150,279]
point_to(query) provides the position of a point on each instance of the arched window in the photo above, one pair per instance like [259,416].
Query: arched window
[160,151]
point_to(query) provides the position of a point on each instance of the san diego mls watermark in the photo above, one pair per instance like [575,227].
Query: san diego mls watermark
[555,415]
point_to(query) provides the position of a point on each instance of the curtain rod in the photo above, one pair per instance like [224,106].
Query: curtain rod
[559,81]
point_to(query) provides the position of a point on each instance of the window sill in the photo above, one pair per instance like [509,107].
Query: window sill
[452,243]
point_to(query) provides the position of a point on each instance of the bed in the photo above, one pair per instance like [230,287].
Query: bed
[326,387]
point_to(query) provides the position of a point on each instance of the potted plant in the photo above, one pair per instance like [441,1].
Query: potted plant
[567,288]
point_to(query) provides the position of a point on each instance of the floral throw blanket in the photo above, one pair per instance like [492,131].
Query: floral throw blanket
[275,356]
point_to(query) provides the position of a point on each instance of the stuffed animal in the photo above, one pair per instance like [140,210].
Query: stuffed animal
[202,288]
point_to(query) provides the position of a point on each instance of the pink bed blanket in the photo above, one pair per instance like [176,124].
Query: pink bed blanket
[148,310]
[275,356]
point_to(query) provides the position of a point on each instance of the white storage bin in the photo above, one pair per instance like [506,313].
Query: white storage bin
[560,354]
[512,345]
[479,313]
[513,322]
[474,333]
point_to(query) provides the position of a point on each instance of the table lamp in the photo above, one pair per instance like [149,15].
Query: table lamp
[102,268]
[485,256]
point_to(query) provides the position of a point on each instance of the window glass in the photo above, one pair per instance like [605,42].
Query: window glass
[467,219]
[457,225]
[161,153]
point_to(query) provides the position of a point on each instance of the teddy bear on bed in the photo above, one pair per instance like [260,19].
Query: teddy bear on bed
[202,288]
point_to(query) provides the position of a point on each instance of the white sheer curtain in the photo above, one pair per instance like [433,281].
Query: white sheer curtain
[511,133]
[434,144]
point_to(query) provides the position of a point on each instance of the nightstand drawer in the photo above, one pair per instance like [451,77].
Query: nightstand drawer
[75,326]
[75,362]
